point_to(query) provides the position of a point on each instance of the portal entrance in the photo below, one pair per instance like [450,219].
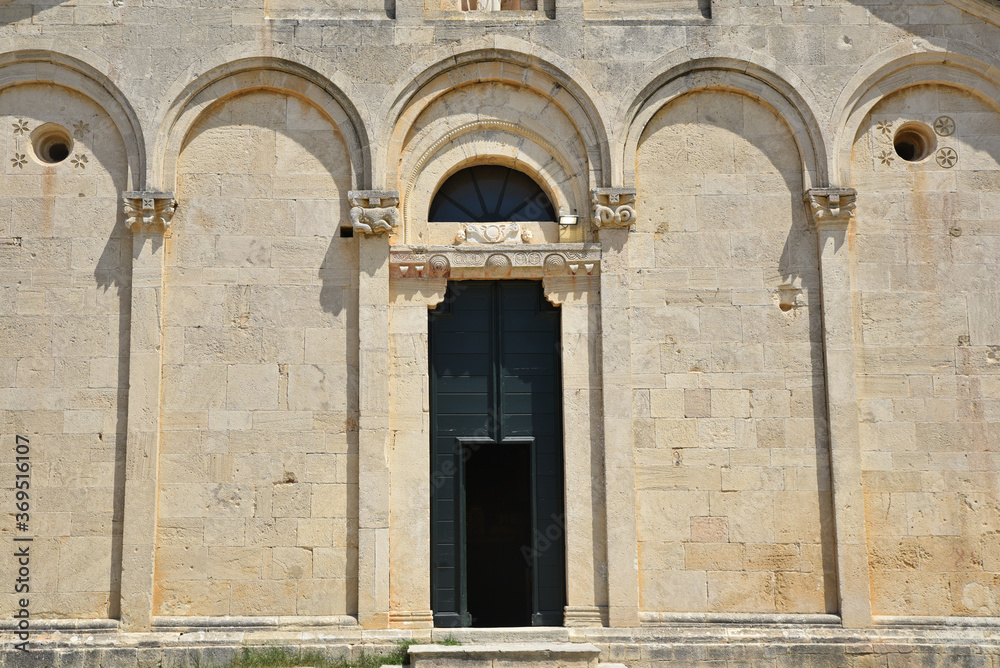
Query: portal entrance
[497,522]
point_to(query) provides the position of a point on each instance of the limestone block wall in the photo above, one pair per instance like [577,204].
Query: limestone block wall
[258,463]
[707,317]
[732,466]
[927,360]
[65,266]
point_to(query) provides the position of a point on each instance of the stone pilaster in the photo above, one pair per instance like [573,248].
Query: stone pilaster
[148,215]
[577,298]
[374,215]
[409,433]
[832,210]
[613,215]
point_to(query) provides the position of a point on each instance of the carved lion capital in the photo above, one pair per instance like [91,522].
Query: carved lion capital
[374,211]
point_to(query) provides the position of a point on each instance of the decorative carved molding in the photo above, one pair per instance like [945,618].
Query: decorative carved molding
[148,210]
[831,206]
[493,233]
[613,207]
[374,211]
[497,261]
[485,125]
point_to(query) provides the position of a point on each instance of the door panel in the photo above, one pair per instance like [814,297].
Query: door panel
[496,417]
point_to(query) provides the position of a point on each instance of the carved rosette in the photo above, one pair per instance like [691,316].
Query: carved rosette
[495,261]
[146,211]
[374,211]
[612,207]
[831,207]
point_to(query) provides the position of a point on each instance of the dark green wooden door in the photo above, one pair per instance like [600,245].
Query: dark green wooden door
[497,522]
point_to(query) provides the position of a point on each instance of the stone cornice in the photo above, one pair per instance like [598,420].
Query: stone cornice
[148,210]
[494,261]
[831,207]
[612,207]
[374,211]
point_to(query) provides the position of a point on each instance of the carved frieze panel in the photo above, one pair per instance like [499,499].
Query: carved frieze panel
[495,261]
[493,233]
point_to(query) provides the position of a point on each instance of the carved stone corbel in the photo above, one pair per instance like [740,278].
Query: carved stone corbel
[374,211]
[832,207]
[146,210]
[612,207]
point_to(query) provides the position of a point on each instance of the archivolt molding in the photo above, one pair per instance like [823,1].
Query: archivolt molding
[477,142]
[740,77]
[920,61]
[89,79]
[255,73]
[504,60]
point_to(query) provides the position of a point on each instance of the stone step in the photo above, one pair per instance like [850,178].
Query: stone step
[506,655]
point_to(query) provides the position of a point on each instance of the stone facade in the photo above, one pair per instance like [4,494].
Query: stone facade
[780,328]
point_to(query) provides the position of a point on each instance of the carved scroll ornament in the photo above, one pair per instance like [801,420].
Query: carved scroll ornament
[612,207]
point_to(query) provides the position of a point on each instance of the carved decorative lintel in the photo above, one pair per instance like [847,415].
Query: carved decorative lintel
[612,207]
[148,210]
[374,211]
[493,233]
[495,261]
[831,207]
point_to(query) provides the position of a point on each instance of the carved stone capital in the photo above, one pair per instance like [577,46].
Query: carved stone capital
[148,210]
[831,207]
[374,211]
[612,207]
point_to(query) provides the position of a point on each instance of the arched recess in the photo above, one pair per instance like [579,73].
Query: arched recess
[962,66]
[263,73]
[737,76]
[36,66]
[421,146]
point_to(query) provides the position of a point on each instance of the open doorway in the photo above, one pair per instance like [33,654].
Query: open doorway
[497,531]
[497,543]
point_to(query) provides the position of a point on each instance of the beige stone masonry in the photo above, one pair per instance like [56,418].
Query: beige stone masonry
[832,210]
[373,221]
[616,376]
[148,215]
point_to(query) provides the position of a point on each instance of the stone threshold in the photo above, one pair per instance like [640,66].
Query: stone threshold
[262,631]
[688,645]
